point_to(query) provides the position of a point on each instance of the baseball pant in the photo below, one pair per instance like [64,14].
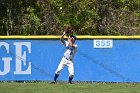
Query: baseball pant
[64,62]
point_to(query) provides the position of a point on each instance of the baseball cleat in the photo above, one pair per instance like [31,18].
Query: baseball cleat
[53,82]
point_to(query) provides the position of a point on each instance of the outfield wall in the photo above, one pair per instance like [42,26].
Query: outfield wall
[99,58]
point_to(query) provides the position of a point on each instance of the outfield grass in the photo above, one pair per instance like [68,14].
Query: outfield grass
[68,88]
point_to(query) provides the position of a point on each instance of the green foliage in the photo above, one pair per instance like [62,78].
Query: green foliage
[32,22]
[88,17]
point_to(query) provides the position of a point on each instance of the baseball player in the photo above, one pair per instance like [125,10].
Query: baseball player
[67,59]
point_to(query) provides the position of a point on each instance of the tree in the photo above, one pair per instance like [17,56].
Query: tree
[117,17]
[88,17]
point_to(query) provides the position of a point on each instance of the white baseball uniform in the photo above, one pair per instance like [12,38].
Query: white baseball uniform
[67,59]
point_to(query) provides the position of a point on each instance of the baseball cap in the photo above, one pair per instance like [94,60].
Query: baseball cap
[74,36]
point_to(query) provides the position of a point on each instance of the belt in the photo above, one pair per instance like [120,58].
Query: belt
[68,59]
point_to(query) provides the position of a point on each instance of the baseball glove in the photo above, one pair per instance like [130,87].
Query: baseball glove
[68,30]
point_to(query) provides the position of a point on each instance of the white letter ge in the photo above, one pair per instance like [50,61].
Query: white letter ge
[22,58]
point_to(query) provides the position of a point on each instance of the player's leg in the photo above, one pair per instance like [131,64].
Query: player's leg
[60,67]
[71,71]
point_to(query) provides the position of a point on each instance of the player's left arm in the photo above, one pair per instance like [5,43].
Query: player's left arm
[71,43]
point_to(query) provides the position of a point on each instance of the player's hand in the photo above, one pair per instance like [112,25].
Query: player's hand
[64,33]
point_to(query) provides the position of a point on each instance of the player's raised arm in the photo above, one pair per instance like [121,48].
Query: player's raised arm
[66,32]
[70,42]
[62,38]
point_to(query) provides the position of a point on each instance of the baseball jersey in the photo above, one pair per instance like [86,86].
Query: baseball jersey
[70,51]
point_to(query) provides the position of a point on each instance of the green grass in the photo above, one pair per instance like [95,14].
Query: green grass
[68,88]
